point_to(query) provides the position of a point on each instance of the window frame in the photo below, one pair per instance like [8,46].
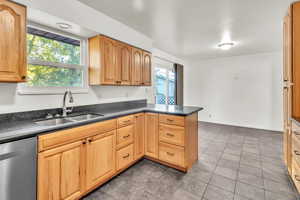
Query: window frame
[169,67]
[24,89]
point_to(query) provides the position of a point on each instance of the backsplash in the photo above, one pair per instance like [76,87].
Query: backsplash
[11,102]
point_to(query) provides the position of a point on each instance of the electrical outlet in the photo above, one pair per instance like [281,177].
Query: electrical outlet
[210,115]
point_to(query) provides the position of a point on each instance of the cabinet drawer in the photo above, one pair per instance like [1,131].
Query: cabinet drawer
[124,136]
[58,138]
[125,121]
[171,119]
[171,134]
[171,154]
[296,148]
[296,174]
[124,157]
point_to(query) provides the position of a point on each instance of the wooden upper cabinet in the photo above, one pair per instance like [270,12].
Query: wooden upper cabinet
[100,162]
[151,135]
[109,68]
[102,61]
[13,67]
[123,75]
[137,65]
[112,62]
[147,62]
[61,172]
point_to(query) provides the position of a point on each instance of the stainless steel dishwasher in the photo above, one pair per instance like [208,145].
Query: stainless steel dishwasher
[18,170]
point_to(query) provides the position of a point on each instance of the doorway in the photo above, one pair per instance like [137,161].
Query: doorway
[165,82]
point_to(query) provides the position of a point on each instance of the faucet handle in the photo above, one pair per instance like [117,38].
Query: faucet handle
[49,116]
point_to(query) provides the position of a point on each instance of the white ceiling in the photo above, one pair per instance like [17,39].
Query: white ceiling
[193,28]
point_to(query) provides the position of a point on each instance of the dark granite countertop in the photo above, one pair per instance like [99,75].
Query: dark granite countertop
[11,130]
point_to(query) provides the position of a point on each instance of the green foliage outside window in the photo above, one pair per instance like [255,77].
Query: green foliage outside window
[45,49]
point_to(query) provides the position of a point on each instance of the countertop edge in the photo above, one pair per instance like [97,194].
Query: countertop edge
[40,130]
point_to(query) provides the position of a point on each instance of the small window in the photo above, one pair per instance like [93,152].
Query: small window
[54,63]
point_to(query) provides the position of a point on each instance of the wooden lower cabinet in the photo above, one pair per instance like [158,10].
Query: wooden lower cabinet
[100,158]
[171,134]
[171,154]
[294,157]
[124,157]
[296,174]
[287,148]
[75,161]
[151,135]
[139,136]
[176,143]
[125,136]
[61,172]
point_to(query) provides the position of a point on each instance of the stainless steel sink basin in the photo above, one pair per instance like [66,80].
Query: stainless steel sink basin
[84,117]
[53,122]
[59,121]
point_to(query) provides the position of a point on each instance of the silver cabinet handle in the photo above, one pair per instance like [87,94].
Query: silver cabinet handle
[296,132]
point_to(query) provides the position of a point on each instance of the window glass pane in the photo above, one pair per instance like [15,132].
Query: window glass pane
[45,49]
[44,76]
[161,85]
[171,99]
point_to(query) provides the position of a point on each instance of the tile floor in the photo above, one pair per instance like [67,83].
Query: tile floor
[234,164]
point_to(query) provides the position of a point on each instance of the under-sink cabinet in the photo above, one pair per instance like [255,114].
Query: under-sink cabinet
[75,161]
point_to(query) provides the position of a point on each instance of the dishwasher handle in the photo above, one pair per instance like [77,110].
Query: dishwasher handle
[7,156]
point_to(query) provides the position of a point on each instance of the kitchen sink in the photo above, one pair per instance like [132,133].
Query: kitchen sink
[53,122]
[59,121]
[84,117]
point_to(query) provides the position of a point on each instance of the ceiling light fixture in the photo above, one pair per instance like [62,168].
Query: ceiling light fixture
[64,26]
[226,45]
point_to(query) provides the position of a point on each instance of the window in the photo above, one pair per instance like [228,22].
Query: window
[55,62]
[164,83]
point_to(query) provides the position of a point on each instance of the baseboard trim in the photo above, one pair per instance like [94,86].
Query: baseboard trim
[249,127]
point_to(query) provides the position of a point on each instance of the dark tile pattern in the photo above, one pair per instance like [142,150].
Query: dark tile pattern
[234,164]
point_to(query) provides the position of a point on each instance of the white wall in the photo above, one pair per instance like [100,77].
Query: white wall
[243,91]
[88,19]
[10,101]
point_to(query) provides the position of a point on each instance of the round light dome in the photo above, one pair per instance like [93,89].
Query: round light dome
[64,25]
[226,45]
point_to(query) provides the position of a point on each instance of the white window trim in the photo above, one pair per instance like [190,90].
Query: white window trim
[24,89]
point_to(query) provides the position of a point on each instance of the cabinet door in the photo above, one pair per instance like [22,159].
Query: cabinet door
[101,162]
[151,134]
[139,136]
[108,65]
[60,172]
[137,57]
[287,91]
[147,68]
[12,42]
[124,64]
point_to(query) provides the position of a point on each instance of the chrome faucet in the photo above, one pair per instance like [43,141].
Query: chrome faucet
[65,109]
